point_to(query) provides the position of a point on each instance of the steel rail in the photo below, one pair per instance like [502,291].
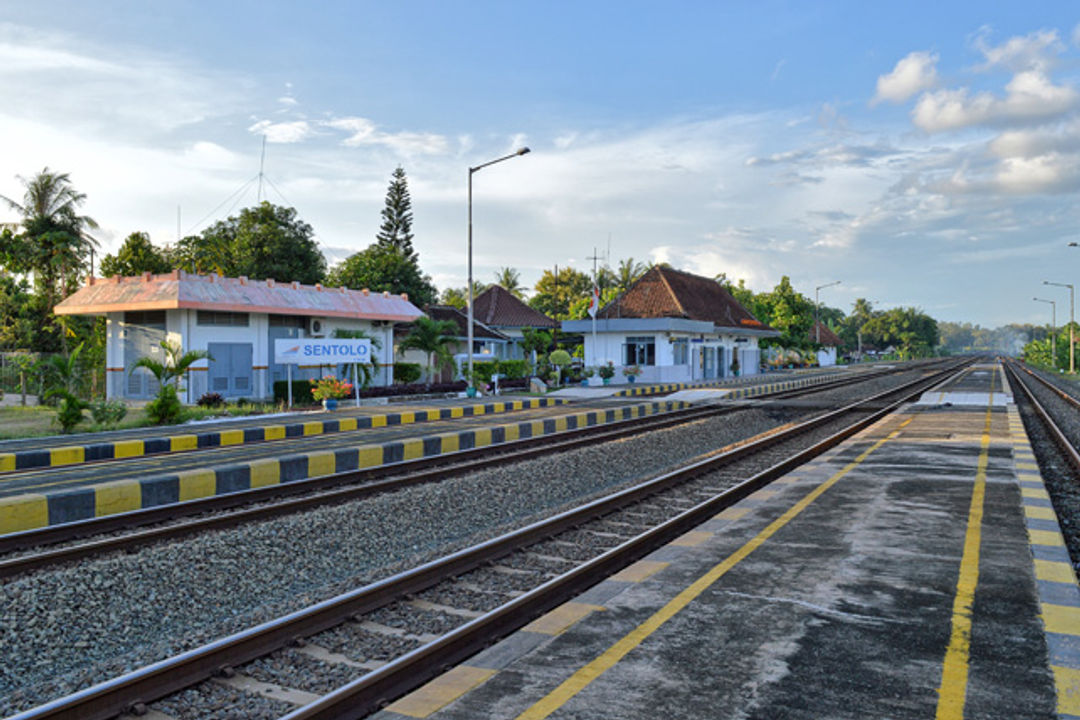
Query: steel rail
[141,687]
[1064,444]
[1049,385]
[418,471]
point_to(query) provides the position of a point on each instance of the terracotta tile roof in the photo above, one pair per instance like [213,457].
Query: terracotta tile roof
[664,292]
[498,307]
[459,318]
[179,289]
[828,337]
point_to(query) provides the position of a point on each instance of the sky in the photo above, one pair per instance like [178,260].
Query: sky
[923,154]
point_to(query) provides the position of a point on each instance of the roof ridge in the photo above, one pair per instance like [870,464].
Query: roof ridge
[674,296]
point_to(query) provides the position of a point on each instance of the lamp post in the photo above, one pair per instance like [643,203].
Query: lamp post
[1072,311]
[517,153]
[1053,330]
[817,310]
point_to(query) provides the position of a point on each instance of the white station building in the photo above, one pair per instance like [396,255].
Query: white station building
[236,320]
[676,327]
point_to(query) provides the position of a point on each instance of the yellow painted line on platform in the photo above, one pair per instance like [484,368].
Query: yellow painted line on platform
[511,432]
[1040,513]
[1054,571]
[561,618]
[23,512]
[407,417]
[640,571]
[593,670]
[347,424]
[692,538]
[482,437]
[456,412]
[7,462]
[196,484]
[765,494]
[1051,538]
[952,694]
[450,442]
[1061,619]
[274,432]
[183,442]
[412,449]
[560,424]
[378,421]
[732,513]
[537,428]
[369,456]
[128,448]
[441,691]
[232,437]
[117,497]
[1034,493]
[265,472]
[313,427]
[1028,477]
[66,455]
[321,463]
[1026,466]
[1067,681]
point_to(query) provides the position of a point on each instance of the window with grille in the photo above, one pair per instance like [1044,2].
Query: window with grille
[216,317]
[640,351]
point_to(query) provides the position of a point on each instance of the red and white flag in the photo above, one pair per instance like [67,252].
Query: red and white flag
[594,304]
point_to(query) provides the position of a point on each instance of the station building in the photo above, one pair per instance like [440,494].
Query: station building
[499,309]
[676,327]
[235,320]
[829,343]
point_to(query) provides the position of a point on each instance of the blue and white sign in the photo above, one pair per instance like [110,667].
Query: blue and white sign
[321,351]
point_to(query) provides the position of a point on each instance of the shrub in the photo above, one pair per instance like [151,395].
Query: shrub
[69,409]
[606,371]
[210,400]
[108,412]
[301,392]
[406,373]
[166,407]
[513,369]
[330,387]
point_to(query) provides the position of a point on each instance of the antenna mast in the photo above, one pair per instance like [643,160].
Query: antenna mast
[262,162]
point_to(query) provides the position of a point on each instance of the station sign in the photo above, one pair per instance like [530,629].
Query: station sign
[321,351]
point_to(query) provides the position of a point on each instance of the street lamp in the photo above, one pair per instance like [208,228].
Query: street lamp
[817,310]
[1072,311]
[1053,330]
[515,154]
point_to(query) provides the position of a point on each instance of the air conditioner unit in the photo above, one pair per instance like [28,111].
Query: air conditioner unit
[316,327]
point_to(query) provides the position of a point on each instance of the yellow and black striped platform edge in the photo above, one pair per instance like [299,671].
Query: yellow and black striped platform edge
[736,391]
[30,511]
[74,454]
[1055,579]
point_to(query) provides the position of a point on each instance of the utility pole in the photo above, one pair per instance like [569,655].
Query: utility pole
[262,162]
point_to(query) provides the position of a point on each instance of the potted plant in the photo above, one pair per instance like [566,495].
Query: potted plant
[586,373]
[631,372]
[560,359]
[329,390]
[607,372]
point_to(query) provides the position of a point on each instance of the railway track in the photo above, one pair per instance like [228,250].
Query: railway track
[122,532]
[1052,419]
[447,609]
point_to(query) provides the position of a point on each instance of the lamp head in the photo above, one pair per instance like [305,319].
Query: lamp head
[1074,244]
[523,151]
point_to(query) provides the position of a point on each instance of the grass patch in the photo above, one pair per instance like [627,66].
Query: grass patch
[18,422]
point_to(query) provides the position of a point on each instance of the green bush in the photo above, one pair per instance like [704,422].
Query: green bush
[108,413]
[166,407]
[514,369]
[407,373]
[301,392]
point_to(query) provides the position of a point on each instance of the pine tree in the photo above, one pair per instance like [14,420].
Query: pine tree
[396,228]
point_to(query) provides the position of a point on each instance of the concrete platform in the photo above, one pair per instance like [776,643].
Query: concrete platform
[915,571]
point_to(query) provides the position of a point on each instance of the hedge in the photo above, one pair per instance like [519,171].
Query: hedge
[301,392]
[406,373]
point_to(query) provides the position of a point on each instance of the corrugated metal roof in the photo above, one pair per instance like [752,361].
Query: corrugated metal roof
[179,289]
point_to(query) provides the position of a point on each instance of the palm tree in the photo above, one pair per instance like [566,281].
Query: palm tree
[628,273]
[432,337]
[510,279]
[175,366]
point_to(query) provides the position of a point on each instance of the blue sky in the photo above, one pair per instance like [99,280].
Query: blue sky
[924,154]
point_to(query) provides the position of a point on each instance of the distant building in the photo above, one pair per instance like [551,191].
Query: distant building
[677,327]
[500,310]
[236,320]
[830,342]
[488,343]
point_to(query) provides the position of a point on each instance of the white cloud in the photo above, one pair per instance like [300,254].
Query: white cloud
[1076,35]
[913,74]
[283,132]
[288,101]
[1035,51]
[364,132]
[1030,97]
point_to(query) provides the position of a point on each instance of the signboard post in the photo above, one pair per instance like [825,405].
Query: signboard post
[321,351]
